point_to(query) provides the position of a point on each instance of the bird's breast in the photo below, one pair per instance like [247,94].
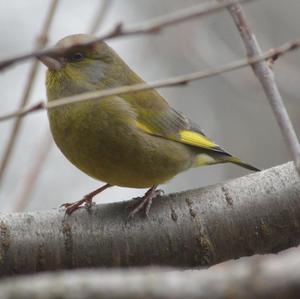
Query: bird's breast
[101,140]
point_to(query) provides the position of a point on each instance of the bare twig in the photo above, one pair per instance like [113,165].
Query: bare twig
[258,213]
[40,43]
[24,111]
[258,277]
[100,15]
[47,142]
[173,81]
[33,174]
[119,30]
[266,77]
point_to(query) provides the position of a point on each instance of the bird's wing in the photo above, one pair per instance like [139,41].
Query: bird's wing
[171,124]
[156,117]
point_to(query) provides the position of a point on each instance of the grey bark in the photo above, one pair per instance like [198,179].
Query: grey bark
[258,213]
[276,277]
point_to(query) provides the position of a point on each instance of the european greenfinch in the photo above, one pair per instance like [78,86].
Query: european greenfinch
[132,140]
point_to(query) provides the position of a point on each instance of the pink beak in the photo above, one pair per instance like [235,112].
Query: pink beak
[51,63]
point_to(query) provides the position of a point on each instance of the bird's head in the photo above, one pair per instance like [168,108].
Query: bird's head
[82,68]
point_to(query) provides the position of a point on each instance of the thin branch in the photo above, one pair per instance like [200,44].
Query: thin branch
[173,81]
[24,111]
[33,174]
[266,77]
[45,146]
[100,15]
[40,43]
[119,30]
[258,213]
[261,278]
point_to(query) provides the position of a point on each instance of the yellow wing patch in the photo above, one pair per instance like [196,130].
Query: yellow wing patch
[184,136]
[204,159]
[196,139]
[143,128]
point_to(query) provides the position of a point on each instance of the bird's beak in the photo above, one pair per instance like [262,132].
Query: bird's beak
[51,63]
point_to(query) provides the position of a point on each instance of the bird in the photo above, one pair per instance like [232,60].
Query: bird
[134,140]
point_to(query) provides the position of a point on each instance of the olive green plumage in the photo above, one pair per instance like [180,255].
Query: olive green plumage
[132,140]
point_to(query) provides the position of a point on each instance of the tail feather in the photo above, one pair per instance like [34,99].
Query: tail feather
[238,162]
[210,158]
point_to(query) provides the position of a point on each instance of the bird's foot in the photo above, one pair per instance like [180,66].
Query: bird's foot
[87,200]
[145,202]
[72,207]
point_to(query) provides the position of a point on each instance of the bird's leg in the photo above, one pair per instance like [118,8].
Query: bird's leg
[145,201]
[87,199]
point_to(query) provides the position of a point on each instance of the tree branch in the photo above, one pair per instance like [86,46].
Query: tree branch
[45,146]
[32,175]
[276,277]
[119,30]
[180,80]
[258,213]
[40,43]
[266,77]
[100,16]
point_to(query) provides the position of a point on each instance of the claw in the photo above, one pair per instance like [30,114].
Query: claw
[145,202]
[87,200]
[72,207]
[65,205]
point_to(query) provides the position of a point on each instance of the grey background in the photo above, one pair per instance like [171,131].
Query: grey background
[231,108]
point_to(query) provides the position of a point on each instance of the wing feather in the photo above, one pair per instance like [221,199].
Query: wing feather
[173,125]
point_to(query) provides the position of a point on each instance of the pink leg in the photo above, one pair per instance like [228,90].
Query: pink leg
[145,201]
[87,199]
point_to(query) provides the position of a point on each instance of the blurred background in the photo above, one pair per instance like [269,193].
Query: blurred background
[230,108]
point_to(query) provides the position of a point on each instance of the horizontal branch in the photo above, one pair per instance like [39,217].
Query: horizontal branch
[267,277]
[120,30]
[258,213]
[173,81]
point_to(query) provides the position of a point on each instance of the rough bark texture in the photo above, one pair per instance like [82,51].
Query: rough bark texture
[276,277]
[258,213]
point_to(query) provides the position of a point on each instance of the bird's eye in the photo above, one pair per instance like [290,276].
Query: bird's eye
[75,57]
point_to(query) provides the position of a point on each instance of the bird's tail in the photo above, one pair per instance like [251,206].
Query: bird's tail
[239,162]
[211,158]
